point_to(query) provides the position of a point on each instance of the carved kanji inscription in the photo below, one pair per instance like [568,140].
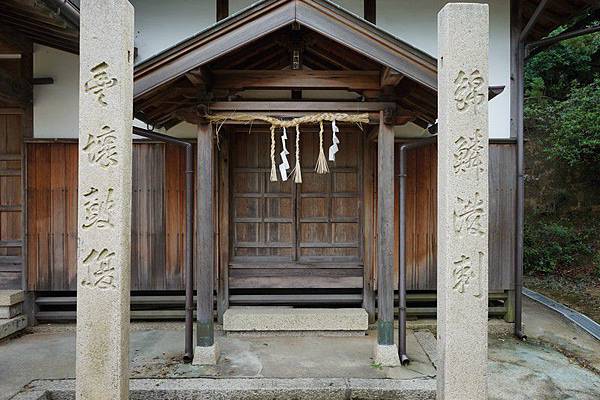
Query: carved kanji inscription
[97,208]
[101,147]
[468,214]
[469,92]
[464,272]
[100,269]
[100,82]
[468,155]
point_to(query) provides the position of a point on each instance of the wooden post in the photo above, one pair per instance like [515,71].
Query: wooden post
[222,9]
[223,245]
[368,234]
[370,11]
[386,352]
[206,350]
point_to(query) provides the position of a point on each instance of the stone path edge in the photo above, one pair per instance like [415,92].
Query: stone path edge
[579,319]
[248,389]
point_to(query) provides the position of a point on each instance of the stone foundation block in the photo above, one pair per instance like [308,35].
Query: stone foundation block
[281,319]
[206,355]
[11,297]
[11,311]
[12,325]
[386,355]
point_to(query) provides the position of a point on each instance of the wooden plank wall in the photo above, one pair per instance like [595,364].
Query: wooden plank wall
[158,230]
[503,192]
[11,204]
[421,234]
[16,122]
[158,225]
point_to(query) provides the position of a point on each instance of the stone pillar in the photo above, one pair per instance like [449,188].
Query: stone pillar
[104,203]
[206,351]
[462,284]
[386,352]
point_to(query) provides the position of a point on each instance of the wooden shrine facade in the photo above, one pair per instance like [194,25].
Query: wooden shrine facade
[158,220]
[314,240]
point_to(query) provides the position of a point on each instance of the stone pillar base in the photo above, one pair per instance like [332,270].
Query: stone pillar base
[206,355]
[386,355]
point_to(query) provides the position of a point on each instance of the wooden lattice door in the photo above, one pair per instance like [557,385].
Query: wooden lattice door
[284,234]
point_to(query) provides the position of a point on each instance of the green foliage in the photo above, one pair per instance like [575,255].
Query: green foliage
[551,72]
[562,126]
[569,128]
[551,246]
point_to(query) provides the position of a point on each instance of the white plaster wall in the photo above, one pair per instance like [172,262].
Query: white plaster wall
[416,23]
[237,5]
[56,106]
[355,6]
[160,24]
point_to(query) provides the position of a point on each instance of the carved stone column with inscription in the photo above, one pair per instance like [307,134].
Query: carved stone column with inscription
[104,204]
[462,285]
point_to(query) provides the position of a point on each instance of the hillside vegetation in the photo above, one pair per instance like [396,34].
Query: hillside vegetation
[562,130]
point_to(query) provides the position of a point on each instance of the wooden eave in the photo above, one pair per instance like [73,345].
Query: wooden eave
[39,23]
[555,14]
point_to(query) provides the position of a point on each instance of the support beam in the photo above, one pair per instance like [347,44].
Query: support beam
[390,77]
[386,352]
[370,11]
[222,9]
[206,350]
[533,48]
[197,77]
[295,79]
[304,106]
[533,20]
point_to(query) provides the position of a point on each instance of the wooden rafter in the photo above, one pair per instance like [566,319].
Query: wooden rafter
[285,79]
[389,77]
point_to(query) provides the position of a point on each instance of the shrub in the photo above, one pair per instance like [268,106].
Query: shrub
[551,246]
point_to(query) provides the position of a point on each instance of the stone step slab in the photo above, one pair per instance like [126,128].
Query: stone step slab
[11,297]
[12,325]
[11,311]
[281,319]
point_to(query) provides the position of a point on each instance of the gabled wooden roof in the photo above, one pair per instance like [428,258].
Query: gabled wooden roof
[321,16]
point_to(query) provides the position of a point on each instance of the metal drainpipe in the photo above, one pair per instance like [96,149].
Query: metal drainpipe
[189,225]
[520,197]
[404,360]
